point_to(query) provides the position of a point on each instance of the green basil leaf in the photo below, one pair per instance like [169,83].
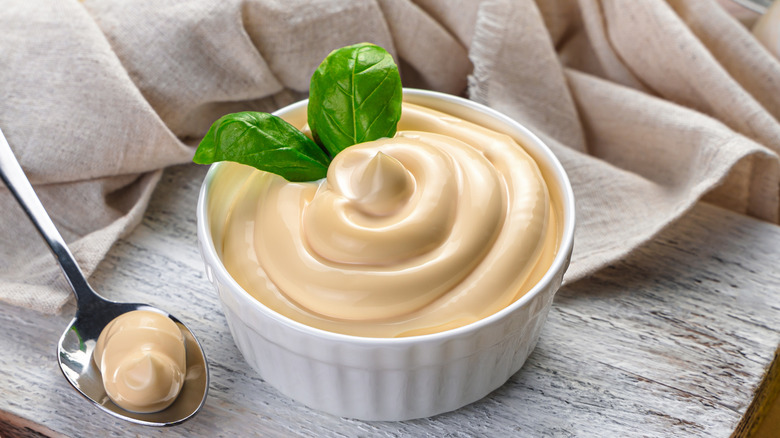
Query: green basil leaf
[354,97]
[266,142]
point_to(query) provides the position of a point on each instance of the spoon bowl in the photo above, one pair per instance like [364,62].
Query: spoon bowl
[74,354]
[74,351]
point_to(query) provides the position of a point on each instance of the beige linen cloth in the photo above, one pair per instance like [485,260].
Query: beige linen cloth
[650,105]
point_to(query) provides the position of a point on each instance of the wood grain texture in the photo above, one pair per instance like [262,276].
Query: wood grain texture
[672,341]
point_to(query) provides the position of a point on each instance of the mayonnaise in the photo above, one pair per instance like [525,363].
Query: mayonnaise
[444,224]
[141,357]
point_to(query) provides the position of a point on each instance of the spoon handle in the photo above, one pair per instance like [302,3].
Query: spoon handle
[13,176]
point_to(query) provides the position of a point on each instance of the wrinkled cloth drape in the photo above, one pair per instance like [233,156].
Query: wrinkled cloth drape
[650,105]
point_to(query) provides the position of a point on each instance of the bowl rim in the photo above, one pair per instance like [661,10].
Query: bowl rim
[558,265]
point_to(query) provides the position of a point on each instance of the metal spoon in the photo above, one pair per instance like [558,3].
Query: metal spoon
[74,351]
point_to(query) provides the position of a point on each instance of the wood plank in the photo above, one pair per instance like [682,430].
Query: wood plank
[674,340]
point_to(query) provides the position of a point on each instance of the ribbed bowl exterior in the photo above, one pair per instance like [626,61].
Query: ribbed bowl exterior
[384,382]
[384,379]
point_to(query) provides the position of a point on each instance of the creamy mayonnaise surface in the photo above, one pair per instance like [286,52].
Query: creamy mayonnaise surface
[142,359]
[444,224]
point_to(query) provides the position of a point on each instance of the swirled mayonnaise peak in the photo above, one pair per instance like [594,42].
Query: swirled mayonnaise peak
[444,224]
[141,357]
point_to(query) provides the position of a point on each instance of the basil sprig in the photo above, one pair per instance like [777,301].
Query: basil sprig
[355,96]
[266,142]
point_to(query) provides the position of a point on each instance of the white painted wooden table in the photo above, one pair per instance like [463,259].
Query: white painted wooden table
[674,341]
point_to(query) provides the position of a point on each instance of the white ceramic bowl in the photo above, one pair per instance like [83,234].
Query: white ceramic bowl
[389,378]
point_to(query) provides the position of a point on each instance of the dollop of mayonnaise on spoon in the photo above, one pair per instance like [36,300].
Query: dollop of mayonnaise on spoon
[142,359]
